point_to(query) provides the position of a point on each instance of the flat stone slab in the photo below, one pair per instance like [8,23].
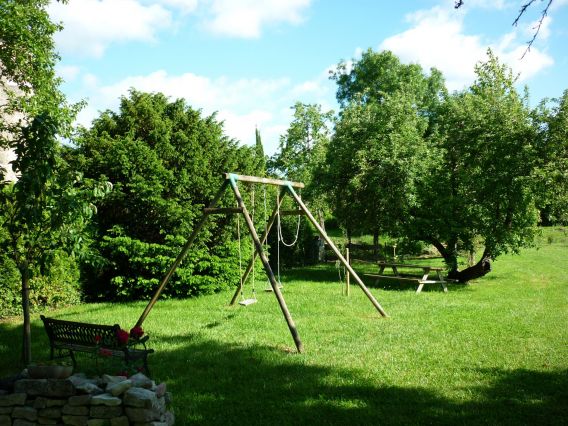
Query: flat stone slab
[106,399]
[45,387]
[13,399]
[141,398]
[116,389]
[25,412]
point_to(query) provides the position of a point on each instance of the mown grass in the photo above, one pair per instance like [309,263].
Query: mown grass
[493,352]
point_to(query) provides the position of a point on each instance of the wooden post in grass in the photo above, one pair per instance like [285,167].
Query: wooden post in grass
[337,252]
[347,275]
[267,268]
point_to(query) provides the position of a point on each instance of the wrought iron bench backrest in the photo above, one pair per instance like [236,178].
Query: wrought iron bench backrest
[79,333]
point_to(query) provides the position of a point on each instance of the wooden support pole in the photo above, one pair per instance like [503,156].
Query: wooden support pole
[227,210]
[269,225]
[337,252]
[268,181]
[180,257]
[267,268]
[297,212]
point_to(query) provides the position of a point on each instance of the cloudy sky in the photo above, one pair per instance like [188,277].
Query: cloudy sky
[251,60]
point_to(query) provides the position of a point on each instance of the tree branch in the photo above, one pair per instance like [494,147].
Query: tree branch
[524,7]
[538,26]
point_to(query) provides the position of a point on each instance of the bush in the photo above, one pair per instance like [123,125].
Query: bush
[57,286]
[137,265]
[10,288]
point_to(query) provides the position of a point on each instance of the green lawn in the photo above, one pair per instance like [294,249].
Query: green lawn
[493,352]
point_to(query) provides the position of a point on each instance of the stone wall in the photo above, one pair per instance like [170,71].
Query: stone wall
[80,401]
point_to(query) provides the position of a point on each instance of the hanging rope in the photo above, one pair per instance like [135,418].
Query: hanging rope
[240,254]
[279,226]
[252,244]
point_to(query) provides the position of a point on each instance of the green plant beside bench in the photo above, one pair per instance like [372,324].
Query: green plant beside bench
[69,336]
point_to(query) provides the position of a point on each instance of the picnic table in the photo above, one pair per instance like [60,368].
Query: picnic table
[398,277]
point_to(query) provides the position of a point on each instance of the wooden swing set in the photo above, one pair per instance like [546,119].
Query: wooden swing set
[286,188]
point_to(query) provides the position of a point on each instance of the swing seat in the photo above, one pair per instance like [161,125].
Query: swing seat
[269,289]
[247,302]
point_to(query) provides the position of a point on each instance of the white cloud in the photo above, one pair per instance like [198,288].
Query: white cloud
[486,4]
[245,18]
[184,6]
[437,39]
[242,104]
[90,26]
[68,72]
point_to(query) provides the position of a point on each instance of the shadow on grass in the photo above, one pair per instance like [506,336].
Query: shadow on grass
[222,384]
[330,274]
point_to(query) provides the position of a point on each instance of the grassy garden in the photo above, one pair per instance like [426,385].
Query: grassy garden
[492,352]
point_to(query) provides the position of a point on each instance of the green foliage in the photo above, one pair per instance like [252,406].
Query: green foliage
[10,288]
[166,162]
[47,208]
[552,171]
[302,148]
[483,182]
[58,285]
[451,170]
[141,265]
[54,285]
[300,156]
[378,152]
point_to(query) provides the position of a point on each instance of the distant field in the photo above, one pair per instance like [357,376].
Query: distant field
[492,352]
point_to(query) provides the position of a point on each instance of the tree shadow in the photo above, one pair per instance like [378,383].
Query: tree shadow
[220,383]
[215,383]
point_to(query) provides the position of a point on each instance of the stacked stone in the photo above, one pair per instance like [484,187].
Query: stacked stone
[78,401]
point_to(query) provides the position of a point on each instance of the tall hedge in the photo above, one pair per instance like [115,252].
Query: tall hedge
[165,160]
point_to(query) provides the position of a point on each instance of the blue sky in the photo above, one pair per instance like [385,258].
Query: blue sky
[251,60]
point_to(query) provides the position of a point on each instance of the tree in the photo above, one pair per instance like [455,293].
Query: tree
[482,184]
[46,208]
[375,159]
[552,171]
[301,155]
[378,151]
[166,162]
[259,152]
[456,171]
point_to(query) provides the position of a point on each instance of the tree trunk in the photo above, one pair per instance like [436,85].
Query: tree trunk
[27,335]
[478,270]
[450,256]
[376,244]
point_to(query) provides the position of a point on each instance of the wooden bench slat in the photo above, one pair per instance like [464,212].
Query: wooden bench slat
[420,282]
[408,265]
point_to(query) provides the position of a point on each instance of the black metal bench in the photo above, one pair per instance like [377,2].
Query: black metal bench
[92,338]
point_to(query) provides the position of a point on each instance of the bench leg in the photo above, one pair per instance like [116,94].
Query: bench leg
[419,289]
[73,360]
[146,369]
[444,287]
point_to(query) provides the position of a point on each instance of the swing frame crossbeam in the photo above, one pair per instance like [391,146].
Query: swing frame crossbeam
[286,187]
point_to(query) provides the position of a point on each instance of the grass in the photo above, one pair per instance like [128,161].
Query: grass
[493,352]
